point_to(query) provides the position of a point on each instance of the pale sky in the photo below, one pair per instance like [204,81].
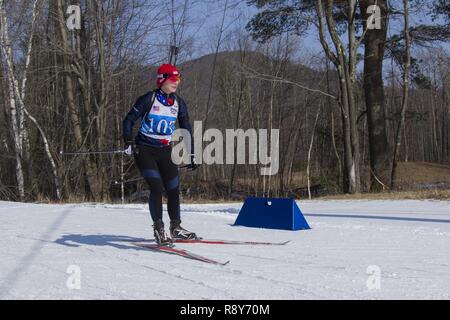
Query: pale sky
[206,16]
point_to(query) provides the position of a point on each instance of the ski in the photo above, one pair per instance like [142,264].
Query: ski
[179,252]
[212,241]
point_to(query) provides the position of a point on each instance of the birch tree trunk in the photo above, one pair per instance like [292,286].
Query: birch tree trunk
[308,176]
[19,94]
[7,52]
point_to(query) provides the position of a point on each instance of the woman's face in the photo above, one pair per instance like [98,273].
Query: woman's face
[170,85]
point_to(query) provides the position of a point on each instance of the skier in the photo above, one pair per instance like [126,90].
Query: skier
[159,110]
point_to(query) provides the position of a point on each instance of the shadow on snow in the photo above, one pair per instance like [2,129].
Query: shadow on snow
[76,240]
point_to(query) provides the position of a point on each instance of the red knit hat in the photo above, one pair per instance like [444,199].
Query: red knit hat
[165,72]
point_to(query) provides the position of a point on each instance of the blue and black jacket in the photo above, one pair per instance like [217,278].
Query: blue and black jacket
[158,112]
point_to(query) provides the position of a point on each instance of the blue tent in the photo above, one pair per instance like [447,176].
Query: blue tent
[271,213]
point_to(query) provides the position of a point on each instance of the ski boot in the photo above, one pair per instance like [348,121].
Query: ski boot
[161,237]
[179,233]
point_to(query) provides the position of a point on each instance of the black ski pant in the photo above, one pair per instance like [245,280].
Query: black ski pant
[157,168]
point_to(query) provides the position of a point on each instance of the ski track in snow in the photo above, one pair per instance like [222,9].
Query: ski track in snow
[408,240]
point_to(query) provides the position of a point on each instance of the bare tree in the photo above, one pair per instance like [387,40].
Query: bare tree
[374,51]
[345,64]
[406,68]
[15,111]
[309,152]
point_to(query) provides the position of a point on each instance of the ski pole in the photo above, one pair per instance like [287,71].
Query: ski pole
[127,181]
[137,179]
[116,182]
[90,152]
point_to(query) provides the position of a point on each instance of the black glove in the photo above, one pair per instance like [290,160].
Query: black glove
[193,165]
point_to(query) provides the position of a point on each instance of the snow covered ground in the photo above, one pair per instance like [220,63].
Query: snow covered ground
[400,248]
